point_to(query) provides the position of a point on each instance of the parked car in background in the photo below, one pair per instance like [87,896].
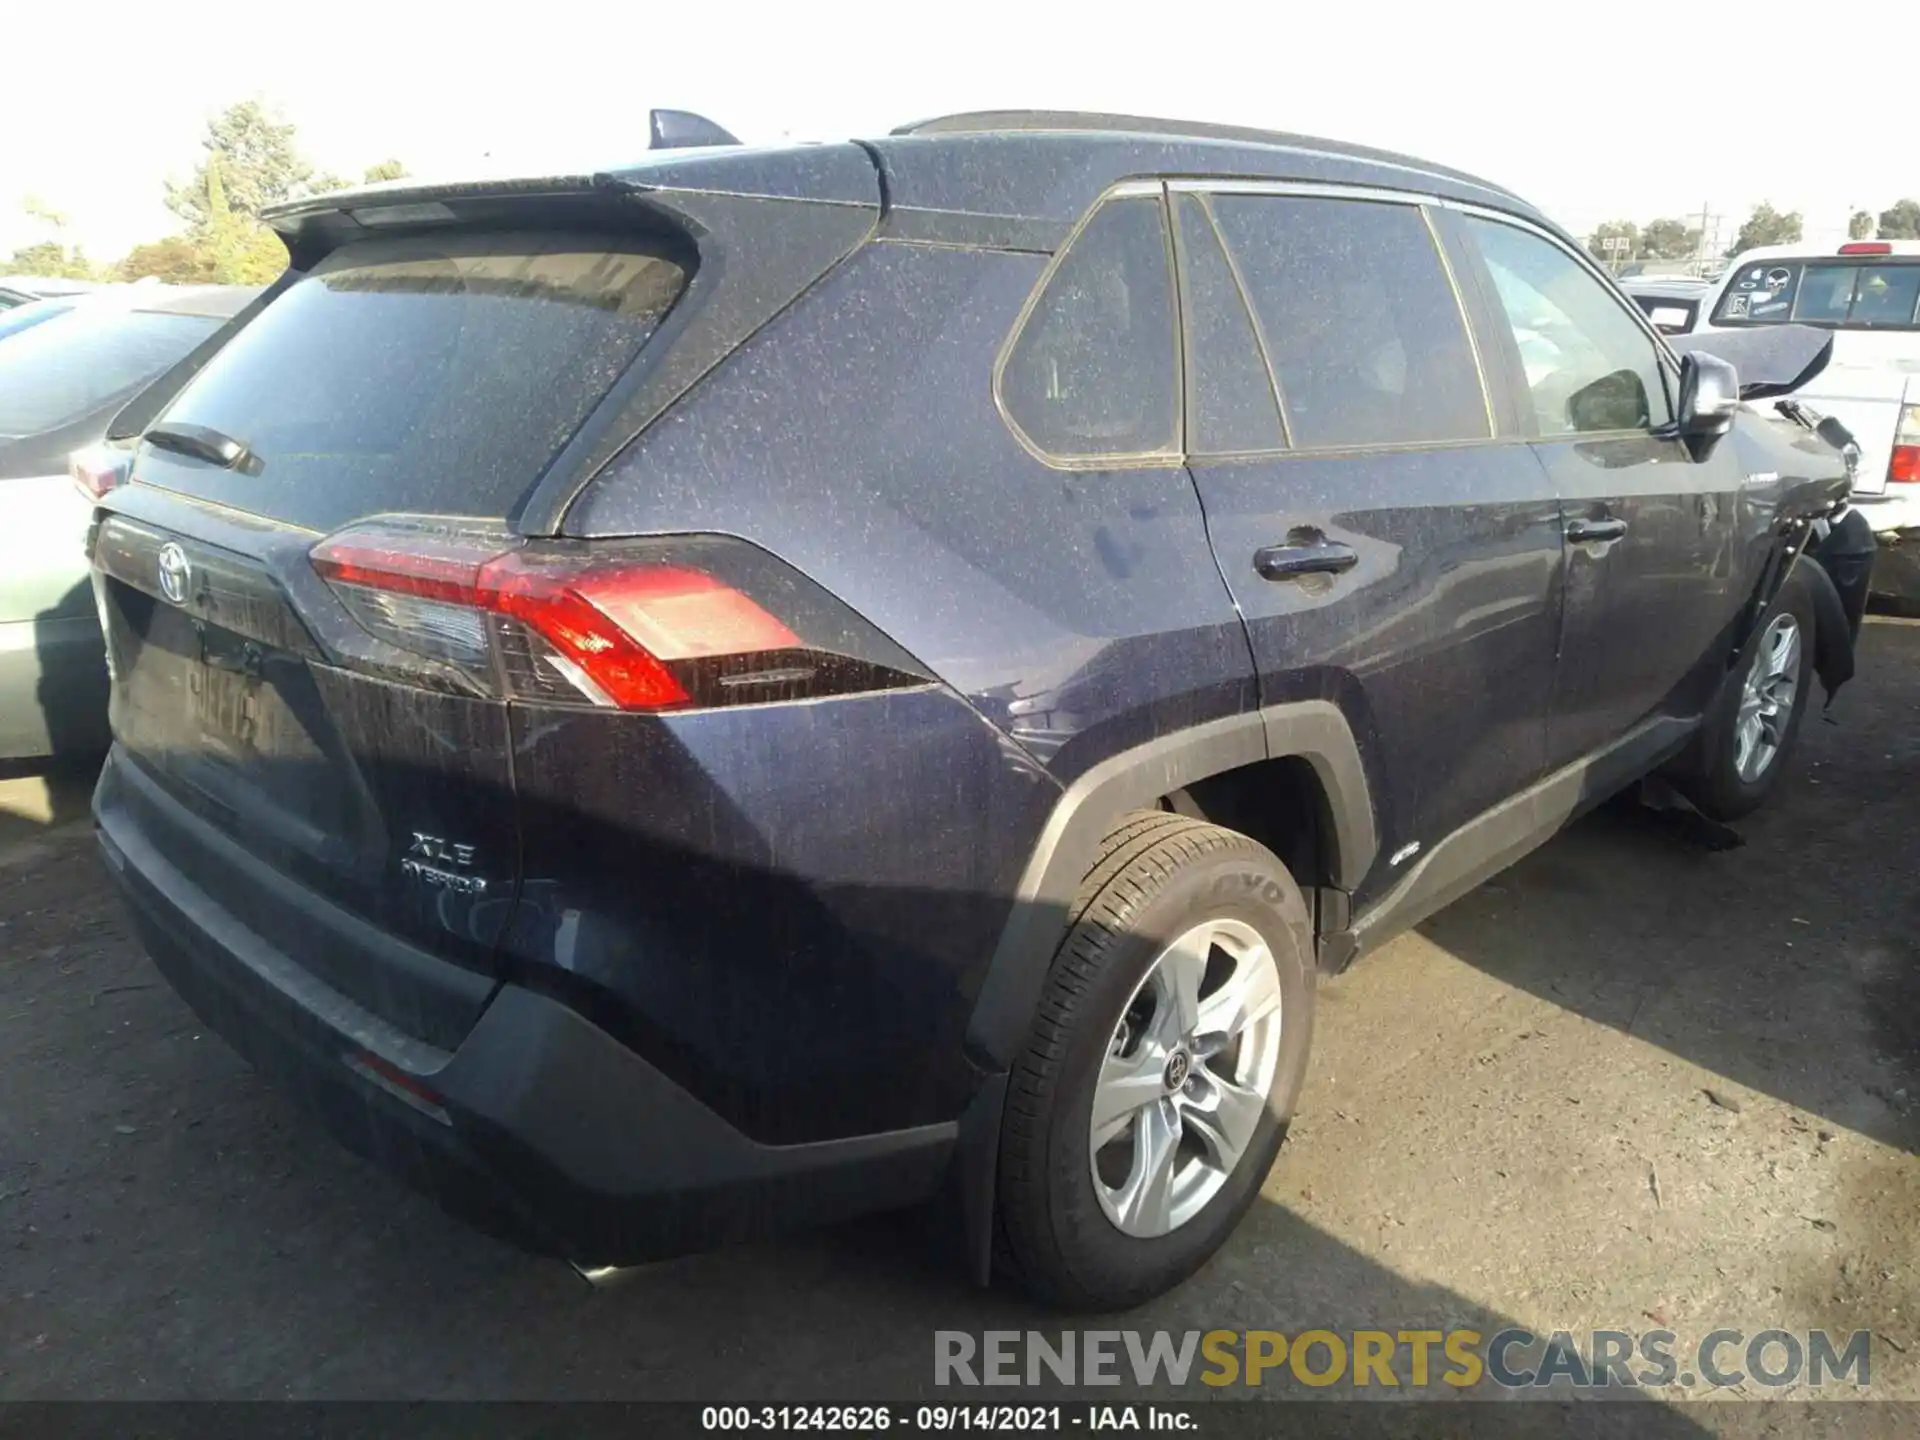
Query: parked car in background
[34,312]
[23,289]
[1868,293]
[1672,303]
[754,687]
[61,382]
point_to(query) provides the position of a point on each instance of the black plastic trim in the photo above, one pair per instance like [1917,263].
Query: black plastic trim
[1314,730]
[1498,837]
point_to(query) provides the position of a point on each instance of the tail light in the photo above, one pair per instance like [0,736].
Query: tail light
[1904,467]
[627,625]
[97,469]
[1866,247]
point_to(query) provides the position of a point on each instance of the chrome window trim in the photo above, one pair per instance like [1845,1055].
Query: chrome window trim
[1202,187]
[1313,189]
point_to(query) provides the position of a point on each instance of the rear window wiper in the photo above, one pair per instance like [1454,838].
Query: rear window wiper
[202,442]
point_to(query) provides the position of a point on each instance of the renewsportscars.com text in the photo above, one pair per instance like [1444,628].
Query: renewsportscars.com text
[1512,1359]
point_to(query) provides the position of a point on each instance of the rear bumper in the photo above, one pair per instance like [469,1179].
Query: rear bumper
[1896,508]
[537,1125]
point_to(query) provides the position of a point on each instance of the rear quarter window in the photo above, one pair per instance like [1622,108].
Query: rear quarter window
[1092,373]
[437,373]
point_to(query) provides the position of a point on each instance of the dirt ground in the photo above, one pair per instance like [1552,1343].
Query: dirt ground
[1631,1084]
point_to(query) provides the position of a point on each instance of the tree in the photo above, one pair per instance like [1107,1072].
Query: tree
[1669,239]
[1860,225]
[50,258]
[260,165]
[1901,222]
[241,249]
[225,248]
[176,260]
[1766,226]
[385,170]
[1616,230]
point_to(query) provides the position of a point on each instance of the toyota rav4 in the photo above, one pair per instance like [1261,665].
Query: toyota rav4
[776,683]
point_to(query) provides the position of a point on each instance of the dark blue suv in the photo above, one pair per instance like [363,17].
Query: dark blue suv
[771,684]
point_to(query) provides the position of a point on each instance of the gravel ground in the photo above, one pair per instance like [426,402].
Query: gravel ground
[1631,1084]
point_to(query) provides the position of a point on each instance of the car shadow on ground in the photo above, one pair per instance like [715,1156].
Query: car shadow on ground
[40,795]
[1812,925]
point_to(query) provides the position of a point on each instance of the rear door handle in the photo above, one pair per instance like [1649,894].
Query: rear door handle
[1581,532]
[1318,557]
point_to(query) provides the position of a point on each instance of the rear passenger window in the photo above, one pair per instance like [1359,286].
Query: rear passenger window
[1230,404]
[1588,366]
[1360,320]
[1092,373]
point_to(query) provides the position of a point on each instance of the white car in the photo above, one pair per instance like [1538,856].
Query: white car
[1868,293]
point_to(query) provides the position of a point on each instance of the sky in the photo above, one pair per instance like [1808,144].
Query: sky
[1590,111]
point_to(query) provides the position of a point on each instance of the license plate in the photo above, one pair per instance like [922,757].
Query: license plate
[225,708]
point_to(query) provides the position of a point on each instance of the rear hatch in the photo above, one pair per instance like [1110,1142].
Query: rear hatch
[272,743]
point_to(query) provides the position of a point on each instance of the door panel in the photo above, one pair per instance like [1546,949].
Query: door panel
[1439,641]
[1650,530]
[1400,558]
[1642,612]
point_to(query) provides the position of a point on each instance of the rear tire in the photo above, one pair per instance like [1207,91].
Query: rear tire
[1749,735]
[1181,1002]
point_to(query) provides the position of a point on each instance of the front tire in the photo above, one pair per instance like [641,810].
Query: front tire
[1751,731]
[1164,1062]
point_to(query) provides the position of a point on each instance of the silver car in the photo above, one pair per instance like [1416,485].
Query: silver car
[61,383]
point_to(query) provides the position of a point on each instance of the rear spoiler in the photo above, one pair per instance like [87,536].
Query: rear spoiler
[711,203]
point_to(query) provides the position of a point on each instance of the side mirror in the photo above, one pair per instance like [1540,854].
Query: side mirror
[1709,395]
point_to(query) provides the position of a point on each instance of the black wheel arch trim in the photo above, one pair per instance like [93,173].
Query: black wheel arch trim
[1316,731]
[1833,630]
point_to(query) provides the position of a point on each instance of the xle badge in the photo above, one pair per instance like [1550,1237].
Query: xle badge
[442,864]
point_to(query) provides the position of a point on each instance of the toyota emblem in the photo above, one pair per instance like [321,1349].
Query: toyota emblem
[175,574]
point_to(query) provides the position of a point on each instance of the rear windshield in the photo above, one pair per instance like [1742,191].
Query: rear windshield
[431,373]
[1845,294]
[56,373]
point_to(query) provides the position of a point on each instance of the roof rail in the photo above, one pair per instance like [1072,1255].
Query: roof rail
[992,121]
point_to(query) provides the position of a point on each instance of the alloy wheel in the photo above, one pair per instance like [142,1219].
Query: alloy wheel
[1184,1084]
[1767,699]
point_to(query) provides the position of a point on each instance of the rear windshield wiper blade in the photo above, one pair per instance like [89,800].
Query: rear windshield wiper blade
[202,442]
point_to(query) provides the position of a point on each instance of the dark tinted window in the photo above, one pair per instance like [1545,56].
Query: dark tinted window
[1360,320]
[1589,366]
[1846,294]
[423,373]
[1230,404]
[56,373]
[1092,372]
[1670,316]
